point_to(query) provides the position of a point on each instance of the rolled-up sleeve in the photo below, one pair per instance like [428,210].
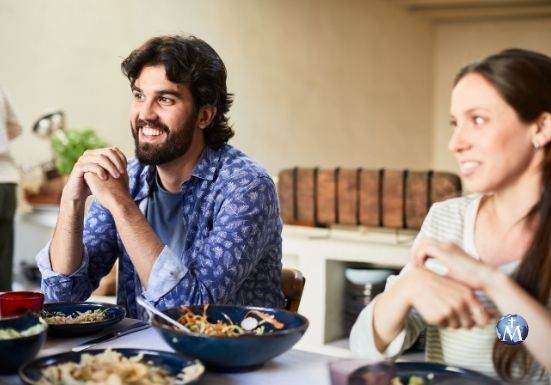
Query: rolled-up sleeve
[362,339]
[59,287]
[168,270]
[99,255]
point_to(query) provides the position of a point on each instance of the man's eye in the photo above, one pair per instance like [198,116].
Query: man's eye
[164,100]
[137,96]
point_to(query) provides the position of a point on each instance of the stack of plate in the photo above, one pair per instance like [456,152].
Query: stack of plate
[362,285]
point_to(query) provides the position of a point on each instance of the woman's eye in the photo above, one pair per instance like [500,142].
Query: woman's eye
[478,120]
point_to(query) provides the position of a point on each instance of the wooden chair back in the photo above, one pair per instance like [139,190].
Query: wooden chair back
[292,285]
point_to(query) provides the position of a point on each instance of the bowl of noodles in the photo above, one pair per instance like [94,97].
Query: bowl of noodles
[66,319]
[231,338]
[112,366]
[21,338]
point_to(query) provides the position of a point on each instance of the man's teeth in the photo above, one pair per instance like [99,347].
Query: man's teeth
[151,131]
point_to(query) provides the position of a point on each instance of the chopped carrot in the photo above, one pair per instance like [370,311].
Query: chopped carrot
[265,317]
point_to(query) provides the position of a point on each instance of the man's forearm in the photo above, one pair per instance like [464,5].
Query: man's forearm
[142,244]
[66,248]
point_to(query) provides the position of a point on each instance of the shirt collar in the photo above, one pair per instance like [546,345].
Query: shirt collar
[205,168]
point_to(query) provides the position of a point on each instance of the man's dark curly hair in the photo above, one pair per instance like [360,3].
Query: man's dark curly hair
[191,61]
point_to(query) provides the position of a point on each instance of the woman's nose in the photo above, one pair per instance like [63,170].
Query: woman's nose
[457,141]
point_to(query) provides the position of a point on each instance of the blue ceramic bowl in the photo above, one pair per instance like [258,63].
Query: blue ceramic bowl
[233,354]
[16,351]
[114,314]
[173,363]
[428,372]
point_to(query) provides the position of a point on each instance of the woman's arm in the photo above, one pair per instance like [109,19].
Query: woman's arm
[506,294]
[440,301]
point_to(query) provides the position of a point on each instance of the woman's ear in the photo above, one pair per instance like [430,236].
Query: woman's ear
[543,133]
[205,116]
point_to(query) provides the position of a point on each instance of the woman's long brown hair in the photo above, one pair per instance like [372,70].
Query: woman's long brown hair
[523,79]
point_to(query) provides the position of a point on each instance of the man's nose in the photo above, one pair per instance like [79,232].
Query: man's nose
[148,111]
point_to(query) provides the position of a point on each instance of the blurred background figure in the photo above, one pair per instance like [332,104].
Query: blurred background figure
[9,176]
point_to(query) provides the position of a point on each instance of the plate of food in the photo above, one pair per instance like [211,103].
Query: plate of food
[72,319]
[417,373]
[117,366]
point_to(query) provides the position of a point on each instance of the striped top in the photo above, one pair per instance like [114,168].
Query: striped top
[450,221]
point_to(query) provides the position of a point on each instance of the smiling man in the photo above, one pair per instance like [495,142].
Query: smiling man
[192,219]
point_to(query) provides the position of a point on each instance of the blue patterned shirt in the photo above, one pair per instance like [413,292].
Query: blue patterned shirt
[232,241]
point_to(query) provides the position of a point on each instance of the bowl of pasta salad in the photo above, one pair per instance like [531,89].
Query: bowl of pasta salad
[231,338]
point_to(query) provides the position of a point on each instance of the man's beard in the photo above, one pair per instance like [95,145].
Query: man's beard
[175,145]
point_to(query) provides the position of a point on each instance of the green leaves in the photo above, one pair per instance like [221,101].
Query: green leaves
[69,145]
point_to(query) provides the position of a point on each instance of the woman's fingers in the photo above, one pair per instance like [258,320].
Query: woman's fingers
[472,312]
[448,259]
[427,249]
[422,251]
[481,315]
[444,302]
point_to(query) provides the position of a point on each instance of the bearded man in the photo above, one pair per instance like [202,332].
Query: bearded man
[192,220]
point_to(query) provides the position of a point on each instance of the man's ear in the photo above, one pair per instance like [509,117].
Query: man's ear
[543,132]
[205,116]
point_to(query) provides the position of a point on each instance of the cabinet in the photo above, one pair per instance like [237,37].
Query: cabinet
[323,255]
[32,231]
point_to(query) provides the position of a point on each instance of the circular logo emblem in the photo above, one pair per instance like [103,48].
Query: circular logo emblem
[512,329]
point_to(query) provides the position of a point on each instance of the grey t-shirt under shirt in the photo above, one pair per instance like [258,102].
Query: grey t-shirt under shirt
[164,214]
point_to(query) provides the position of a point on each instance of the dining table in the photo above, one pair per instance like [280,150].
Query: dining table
[294,367]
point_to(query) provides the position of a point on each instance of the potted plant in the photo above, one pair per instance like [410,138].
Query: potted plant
[69,145]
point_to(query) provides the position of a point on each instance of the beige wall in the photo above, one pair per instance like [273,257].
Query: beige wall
[323,83]
[459,43]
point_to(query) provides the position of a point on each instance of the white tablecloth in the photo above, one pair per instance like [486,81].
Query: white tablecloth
[294,367]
